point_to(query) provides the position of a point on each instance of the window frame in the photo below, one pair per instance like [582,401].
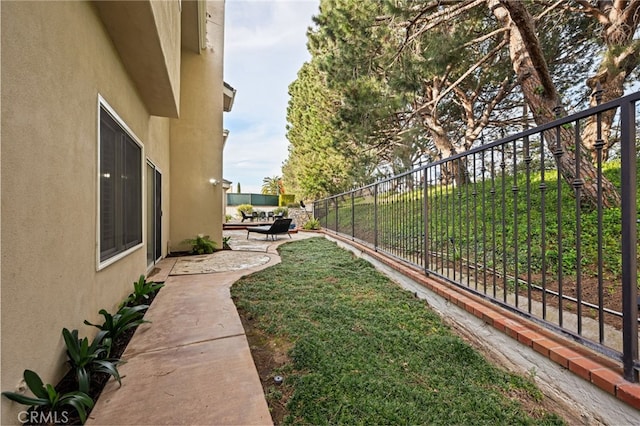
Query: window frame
[158,223]
[103,105]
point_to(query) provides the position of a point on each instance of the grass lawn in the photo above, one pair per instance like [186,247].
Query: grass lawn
[360,350]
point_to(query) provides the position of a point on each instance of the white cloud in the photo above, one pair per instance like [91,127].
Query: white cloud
[255,153]
[265,46]
[254,25]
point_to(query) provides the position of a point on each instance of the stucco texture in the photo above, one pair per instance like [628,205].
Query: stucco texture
[57,59]
[197,142]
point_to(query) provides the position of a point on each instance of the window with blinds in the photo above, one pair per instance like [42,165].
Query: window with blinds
[120,188]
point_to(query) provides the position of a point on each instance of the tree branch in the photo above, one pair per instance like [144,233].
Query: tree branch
[594,11]
[445,15]
[548,10]
[631,15]
[518,14]
[433,20]
[471,69]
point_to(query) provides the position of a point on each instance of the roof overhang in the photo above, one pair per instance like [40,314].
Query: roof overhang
[225,135]
[229,94]
[145,35]
[194,25]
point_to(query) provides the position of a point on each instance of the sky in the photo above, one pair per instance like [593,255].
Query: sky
[265,46]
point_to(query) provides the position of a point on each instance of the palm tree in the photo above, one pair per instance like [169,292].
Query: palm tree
[272,185]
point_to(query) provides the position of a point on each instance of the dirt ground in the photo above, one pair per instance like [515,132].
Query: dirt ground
[268,355]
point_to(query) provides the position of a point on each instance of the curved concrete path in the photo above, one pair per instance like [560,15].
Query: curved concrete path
[192,364]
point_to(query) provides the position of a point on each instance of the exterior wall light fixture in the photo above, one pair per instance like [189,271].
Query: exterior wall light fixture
[213,181]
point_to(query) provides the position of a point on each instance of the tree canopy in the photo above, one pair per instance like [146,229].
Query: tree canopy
[397,83]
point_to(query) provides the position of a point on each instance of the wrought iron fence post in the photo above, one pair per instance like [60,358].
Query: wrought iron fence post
[375,217]
[326,213]
[353,216]
[557,153]
[629,241]
[337,213]
[425,215]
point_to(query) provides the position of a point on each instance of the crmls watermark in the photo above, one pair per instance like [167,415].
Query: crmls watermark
[36,417]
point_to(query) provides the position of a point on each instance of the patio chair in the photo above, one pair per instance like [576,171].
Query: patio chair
[279,226]
[246,216]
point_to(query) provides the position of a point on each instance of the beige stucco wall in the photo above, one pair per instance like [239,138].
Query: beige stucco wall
[197,140]
[56,60]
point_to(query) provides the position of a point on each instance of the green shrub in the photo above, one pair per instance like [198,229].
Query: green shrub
[228,217]
[283,210]
[246,208]
[312,223]
[47,396]
[202,244]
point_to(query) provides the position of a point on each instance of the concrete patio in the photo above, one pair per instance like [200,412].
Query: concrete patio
[192,363]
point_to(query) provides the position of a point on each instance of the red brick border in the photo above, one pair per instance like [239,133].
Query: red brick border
[588,365]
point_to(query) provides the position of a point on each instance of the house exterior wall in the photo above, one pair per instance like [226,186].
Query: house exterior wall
[197,141]
[58,59]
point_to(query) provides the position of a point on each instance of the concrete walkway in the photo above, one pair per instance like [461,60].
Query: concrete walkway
[192,364]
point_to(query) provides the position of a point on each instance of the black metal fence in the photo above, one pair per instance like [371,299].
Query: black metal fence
[498,221]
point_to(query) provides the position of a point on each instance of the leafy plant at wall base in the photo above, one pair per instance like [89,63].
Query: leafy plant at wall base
[142,290]
[202,244]
[114,325]
[47,396]
[85,359]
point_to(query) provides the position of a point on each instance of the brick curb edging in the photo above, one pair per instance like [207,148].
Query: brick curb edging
[588,365]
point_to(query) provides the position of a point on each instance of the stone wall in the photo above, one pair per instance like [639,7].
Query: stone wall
[300,216]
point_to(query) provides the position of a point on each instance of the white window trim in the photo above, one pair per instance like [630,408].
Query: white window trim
[102,103]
